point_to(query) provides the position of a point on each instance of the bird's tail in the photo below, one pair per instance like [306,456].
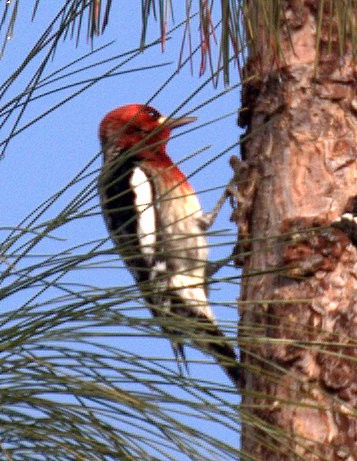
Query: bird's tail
[204,334]
[212,341]
[189,301]
[183,312]
[207,337]
[225,357]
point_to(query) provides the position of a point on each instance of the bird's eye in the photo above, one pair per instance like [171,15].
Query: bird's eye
[154,114]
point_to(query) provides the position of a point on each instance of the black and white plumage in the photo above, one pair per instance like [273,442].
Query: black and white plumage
[156,222]
[347,222]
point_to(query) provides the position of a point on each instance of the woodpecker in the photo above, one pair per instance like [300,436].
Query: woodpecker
[157,226]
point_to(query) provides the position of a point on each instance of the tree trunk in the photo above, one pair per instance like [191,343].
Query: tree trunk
[299,312]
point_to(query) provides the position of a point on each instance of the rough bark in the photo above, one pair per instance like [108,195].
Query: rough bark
[298,329]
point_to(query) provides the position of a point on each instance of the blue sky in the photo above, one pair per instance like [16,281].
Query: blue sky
[46,156]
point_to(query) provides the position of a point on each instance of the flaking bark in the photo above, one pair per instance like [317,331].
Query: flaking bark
[299,315]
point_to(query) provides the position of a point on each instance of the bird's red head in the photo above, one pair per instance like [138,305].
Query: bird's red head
[123,128]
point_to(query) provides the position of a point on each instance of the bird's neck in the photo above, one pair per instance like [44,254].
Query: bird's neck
[172,174]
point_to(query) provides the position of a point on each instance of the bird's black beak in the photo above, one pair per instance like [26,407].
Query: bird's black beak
[172,122]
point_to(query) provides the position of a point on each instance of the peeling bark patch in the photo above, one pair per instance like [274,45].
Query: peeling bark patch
[246,181]
[310,247]
[339,354]
[336,374]
[334,91]
[299,325]
[257,90]
[291,346]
